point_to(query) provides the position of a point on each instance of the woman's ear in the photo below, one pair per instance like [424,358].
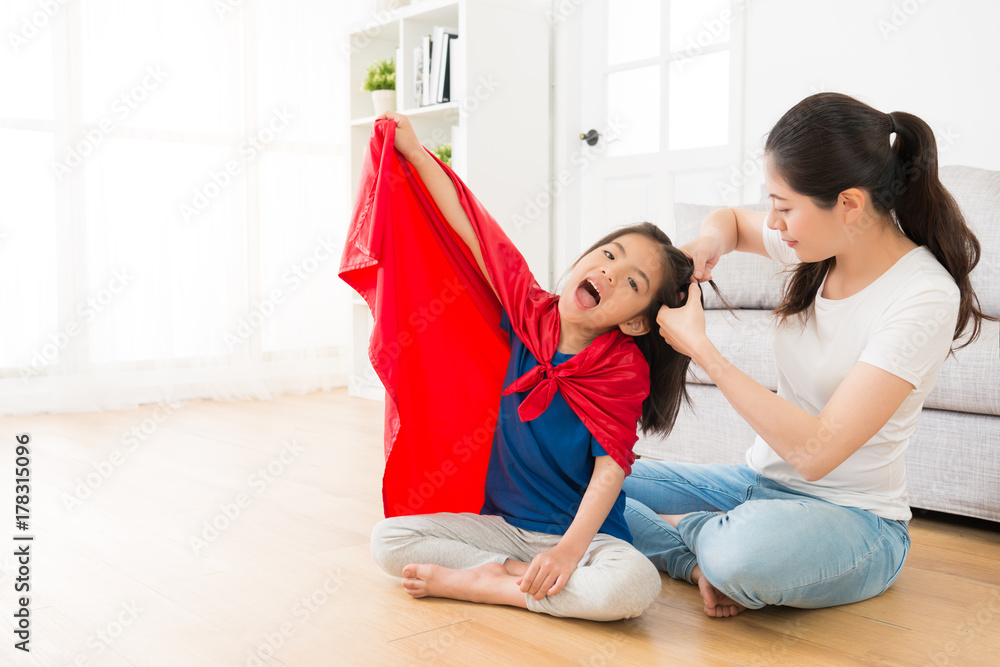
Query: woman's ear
[853,202]
[637,326]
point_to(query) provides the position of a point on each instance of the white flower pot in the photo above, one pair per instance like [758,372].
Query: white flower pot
[384,100]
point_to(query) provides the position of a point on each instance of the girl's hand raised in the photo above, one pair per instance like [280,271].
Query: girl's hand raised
[684,328]
[406,138]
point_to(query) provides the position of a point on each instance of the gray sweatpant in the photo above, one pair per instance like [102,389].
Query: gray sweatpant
[613,580]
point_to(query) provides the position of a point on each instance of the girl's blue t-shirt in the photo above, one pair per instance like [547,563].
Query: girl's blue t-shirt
[540,469]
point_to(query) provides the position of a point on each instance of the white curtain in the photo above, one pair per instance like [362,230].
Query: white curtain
[174,196]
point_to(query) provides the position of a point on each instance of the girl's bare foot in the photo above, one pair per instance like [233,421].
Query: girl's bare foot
[490,583]
[717,605]
[515,567]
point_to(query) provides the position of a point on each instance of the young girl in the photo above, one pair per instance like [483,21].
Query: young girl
[880,257]
[551,536]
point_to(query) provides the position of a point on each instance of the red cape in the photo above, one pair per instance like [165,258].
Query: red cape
[439,350]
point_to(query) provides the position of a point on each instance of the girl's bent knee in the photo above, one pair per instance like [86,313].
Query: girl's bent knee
[648,585]
[636,592]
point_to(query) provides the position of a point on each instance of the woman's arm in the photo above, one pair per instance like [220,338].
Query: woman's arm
[814,445]
[550,570]
[439,185]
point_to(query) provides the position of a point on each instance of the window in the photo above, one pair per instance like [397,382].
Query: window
[680,48]
[173,216]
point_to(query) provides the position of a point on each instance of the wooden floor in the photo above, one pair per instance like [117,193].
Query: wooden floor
[237,534]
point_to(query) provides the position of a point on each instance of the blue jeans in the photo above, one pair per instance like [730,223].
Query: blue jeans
[773,545]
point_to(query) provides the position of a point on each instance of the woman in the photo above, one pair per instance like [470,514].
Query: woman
[879,258]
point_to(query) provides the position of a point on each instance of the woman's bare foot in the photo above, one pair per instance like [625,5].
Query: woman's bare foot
[672,519]
[717,605]
[490,583]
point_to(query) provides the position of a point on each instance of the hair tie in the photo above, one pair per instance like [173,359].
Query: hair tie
[893,123]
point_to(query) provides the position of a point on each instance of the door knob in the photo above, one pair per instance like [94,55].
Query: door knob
[591,137]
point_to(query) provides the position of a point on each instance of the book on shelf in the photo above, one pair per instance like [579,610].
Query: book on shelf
[447,67]
[418,76]
[441,37]
[425,76]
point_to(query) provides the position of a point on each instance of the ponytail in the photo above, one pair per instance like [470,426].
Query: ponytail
[930,216]
[828,143]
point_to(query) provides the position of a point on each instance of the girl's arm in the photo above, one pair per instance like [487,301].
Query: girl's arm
[723,231]
[549,571]
[439,185]
[814,445]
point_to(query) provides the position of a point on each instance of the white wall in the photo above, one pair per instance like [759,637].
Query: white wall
[937,59]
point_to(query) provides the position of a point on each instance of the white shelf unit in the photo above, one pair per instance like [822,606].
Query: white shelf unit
[498,121]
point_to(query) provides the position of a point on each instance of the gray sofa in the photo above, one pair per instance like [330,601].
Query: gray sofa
[953,460]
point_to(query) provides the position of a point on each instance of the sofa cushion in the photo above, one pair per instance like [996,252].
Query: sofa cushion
[970,382]
[743,337]
[977,192]
[746,280]
[708,431]
[953,464]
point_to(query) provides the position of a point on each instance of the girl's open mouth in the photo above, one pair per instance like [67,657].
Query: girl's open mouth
[587,293]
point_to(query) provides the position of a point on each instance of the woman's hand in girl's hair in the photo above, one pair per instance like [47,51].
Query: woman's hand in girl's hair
[684,328]
[705,252]
[548,572]
[406,138]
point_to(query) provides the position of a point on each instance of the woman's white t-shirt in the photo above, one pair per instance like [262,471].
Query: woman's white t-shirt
[903,323]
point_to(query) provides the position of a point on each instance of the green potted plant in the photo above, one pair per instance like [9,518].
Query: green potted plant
[443,151]
[380,79]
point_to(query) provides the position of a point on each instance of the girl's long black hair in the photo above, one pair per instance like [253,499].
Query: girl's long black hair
[667,367]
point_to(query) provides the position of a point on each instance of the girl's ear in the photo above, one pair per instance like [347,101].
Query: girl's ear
[637,326]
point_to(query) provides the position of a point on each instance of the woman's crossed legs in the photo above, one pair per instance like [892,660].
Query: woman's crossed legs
[747,541]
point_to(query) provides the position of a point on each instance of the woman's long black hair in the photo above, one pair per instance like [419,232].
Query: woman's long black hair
[830,142]
[667,367]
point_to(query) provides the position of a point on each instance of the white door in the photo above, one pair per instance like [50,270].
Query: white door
[662,83]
